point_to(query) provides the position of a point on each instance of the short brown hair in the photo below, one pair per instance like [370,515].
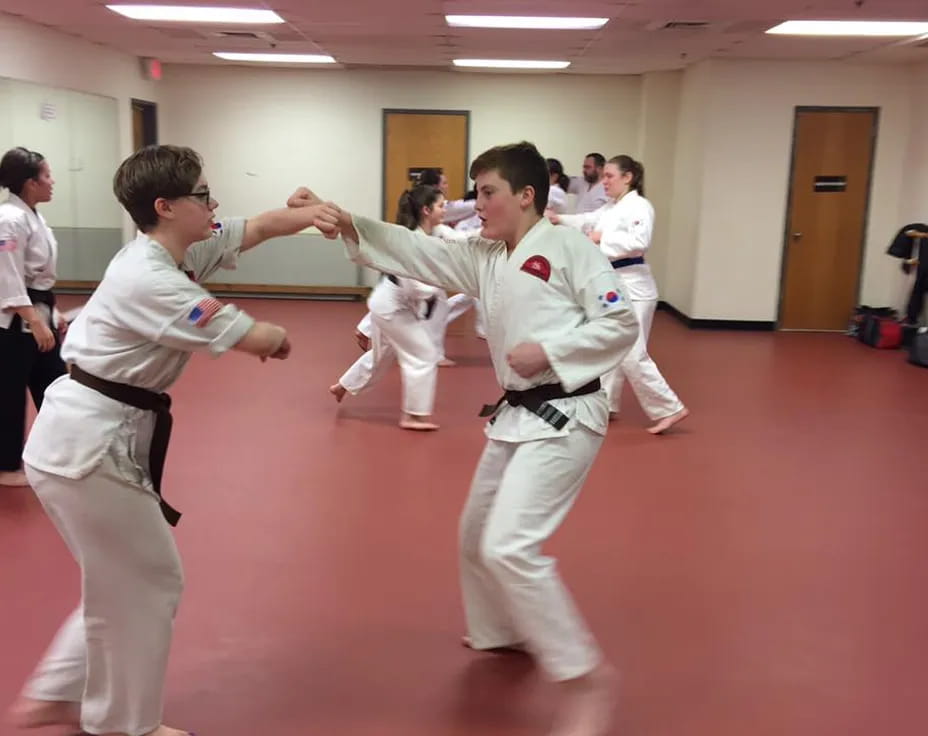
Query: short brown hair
[155,172]
[521,165]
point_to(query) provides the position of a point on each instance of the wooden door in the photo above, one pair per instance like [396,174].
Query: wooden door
[144,124]
[826,219]
[421,139]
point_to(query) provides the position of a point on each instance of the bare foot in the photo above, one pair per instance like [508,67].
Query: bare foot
[516,648]
[446,363]
[160,731]
[13,478]
[667,422]
[587,704]
[420,424]
[338,391]
[167,731]
[30,713]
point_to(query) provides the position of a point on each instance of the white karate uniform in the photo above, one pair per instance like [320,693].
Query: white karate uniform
[399,331]
[87,459]
[28,261]
[556,291]
[626,226]
[446,309]
[589,197]
[458,209]
[28,257]
[470,227]
[557,199]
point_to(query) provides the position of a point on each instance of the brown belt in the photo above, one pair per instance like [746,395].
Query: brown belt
[146,400]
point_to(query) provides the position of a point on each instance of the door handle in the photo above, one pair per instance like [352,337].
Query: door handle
[797,236]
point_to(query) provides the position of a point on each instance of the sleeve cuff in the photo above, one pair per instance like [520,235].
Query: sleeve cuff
[231,336]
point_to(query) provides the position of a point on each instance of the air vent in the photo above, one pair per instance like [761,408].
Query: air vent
[250,35]
[685,25]
[241,36]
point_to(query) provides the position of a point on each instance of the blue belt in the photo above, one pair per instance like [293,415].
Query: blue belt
[625,262]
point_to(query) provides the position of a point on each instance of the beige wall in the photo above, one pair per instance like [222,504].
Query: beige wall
[265,131]
[748,110]
[685,218]
[657,135]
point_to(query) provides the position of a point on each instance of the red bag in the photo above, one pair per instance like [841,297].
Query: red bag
[880,332]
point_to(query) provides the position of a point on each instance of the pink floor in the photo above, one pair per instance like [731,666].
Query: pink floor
[761,572]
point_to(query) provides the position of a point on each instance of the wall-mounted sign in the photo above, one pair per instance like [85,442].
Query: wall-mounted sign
[830,183]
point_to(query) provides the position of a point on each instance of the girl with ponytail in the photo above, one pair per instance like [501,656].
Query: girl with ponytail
[622,229]
[399,324]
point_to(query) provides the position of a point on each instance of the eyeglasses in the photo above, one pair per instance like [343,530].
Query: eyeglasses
[203,196]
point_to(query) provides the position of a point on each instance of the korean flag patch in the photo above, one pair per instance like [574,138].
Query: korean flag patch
[610,299]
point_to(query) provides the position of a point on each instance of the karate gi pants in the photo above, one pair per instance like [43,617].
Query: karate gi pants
[656,397]
[445,312]
[409,341]
[111,653]
[520,494]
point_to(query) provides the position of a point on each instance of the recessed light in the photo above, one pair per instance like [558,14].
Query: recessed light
[511,64]
[188,14]
[525,21]
[276,58]
[850,28]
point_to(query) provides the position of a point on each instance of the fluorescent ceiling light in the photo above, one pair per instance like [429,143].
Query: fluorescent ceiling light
[524,21]
[187,14]
[850,28]
[511,64]
[276,58]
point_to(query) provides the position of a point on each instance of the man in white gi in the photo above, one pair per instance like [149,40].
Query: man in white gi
[556,321]
[96,451]
[589,188]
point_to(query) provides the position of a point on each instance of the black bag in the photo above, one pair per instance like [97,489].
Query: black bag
[862,312]
[918,349]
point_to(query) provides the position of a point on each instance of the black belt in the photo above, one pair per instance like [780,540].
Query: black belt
[37,296]
[146,400]
[536,401]
[429,303]
[626,262]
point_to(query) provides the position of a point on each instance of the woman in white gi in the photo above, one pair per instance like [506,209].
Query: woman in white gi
[559,182]
[29,323]
[622,229]
[557,320]
[95,454]
[400,328]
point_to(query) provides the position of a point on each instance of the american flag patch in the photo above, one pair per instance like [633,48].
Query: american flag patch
[7,245]
[204,311]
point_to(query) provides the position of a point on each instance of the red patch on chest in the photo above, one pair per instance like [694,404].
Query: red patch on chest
[537,266]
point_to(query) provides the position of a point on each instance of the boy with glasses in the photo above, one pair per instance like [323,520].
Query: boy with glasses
[96,451]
